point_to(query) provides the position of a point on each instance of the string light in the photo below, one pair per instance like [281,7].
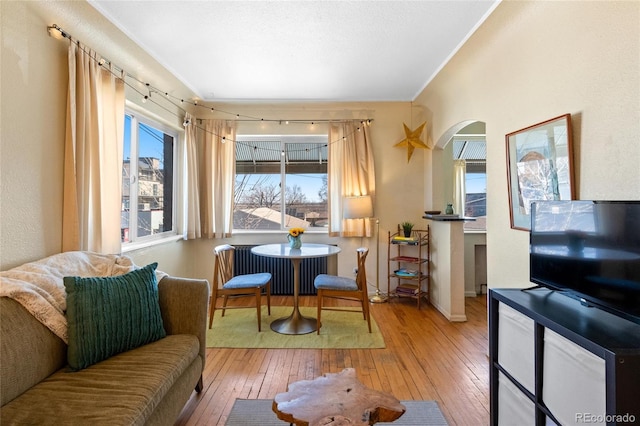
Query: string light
[58,33]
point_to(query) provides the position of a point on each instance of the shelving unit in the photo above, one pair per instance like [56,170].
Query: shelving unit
[410,264]
[556,361]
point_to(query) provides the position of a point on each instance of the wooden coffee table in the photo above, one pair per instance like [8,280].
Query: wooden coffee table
[335,399]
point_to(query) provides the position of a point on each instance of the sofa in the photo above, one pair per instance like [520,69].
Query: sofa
[146,385]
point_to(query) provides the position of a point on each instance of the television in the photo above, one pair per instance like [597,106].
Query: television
[589,250]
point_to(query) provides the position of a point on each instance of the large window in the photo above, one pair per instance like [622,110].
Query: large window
[281,182]
[147,179]
[473,149]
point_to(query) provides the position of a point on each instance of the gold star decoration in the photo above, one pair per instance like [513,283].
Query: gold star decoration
[412,140]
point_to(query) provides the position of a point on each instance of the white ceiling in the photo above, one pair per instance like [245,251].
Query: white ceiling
[300,50]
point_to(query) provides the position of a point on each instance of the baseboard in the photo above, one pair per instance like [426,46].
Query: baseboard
[470,294]
[448,316]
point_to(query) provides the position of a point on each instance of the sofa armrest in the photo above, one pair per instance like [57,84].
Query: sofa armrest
[184,303]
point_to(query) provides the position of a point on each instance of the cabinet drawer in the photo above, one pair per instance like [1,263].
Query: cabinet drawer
[516,345]
[573,381]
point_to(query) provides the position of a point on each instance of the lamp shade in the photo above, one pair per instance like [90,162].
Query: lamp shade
[357,207]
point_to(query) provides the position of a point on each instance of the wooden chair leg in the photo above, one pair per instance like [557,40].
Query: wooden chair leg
[224,303]
[259,307]
[268,289]
[212,309]
[319,303]
[365,310]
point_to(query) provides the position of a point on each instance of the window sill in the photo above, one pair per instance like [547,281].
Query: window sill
[129,247]
[323,231]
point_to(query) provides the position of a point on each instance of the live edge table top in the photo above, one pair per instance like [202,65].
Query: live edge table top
[335,399]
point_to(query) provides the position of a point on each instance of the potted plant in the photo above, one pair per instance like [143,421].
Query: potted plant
[406,228]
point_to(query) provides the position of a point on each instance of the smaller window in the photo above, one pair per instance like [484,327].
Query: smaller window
[147,180]
[473,149]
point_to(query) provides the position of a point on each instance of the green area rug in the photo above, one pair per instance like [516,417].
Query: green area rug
[252,412]
[340,330]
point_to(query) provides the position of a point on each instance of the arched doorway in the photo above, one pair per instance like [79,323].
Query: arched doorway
[463,167]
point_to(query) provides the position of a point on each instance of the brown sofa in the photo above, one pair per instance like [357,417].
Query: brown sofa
[148,385]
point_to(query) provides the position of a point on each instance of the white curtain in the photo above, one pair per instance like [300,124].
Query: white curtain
[93,155]
[192,228]
[216,171]
[459,186]
[351,172]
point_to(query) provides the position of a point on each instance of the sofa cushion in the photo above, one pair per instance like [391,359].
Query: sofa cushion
[122,390]
[109,315]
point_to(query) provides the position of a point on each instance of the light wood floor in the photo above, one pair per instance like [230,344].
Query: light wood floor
[426,358]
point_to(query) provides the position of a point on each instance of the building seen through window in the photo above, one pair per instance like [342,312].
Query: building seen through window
[147,179]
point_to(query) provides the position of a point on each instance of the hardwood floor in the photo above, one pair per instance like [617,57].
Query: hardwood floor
[426,358]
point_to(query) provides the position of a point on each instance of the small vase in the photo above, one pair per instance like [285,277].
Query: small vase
[294,242]
[407,232]
[449,209]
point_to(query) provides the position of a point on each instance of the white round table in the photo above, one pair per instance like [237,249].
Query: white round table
[295,323]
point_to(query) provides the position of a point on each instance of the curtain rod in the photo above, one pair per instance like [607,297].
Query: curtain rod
[305,121]
[58,33]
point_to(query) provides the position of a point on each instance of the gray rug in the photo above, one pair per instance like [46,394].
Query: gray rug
[258,412]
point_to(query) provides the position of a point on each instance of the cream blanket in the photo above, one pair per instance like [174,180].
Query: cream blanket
[39,286]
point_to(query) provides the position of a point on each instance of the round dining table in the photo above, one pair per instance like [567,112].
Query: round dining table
[295,323]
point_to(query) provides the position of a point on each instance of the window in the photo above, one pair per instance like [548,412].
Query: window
[267,164]
[473,149]
[147,180]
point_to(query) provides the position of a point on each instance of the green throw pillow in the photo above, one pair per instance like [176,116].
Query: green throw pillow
[109,315]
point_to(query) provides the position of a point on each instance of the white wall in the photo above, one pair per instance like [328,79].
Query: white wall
[33,92]
[31,151]
[531,61]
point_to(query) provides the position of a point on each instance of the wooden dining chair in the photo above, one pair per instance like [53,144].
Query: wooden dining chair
[226,285]
[336,287]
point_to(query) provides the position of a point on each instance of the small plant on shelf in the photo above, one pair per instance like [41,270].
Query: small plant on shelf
[406,228]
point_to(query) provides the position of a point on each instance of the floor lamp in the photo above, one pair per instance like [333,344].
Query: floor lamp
[361,207]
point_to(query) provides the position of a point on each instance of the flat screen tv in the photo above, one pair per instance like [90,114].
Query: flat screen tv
[590,250]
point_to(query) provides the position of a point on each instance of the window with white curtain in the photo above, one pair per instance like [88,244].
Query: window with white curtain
[281,182]
[148,186]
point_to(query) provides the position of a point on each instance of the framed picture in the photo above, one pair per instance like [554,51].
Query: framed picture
[539,167]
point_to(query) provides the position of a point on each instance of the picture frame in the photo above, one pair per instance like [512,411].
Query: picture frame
[539,167]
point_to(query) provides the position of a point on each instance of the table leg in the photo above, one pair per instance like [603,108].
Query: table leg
[295,323]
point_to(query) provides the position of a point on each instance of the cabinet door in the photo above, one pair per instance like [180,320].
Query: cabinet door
[516,352]
[573,382]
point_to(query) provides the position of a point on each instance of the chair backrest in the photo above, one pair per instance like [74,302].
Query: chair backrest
[223,269]
[361,276]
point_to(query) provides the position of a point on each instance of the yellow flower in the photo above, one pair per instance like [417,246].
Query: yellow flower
[294,232]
